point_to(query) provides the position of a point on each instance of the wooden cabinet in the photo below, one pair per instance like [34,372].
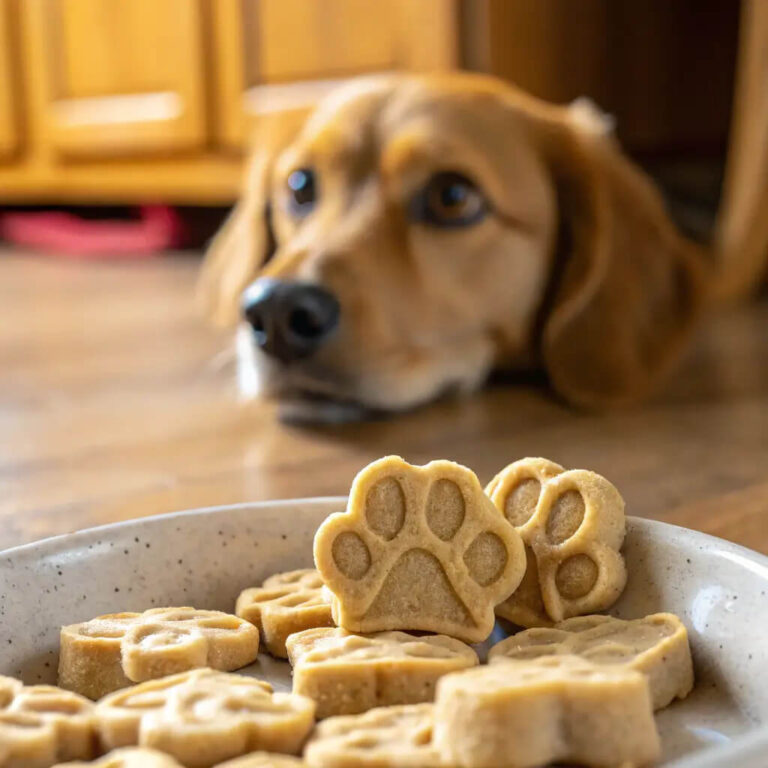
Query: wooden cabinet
[9,112]
[135,100]
[118,77]
[291,52]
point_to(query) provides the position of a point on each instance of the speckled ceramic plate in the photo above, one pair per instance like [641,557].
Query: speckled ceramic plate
[205,557]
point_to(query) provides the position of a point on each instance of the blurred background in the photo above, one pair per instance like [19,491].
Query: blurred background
[123,129]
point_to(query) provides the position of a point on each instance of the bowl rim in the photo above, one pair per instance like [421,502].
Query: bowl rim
[748,751]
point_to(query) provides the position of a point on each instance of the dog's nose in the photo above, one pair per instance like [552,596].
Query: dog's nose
[290,320]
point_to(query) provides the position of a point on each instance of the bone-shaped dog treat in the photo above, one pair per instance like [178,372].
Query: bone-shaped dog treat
[572,523]
[387,737]
[139,757]
[347,674]
[203,717]
[419,548]
[129,757]
[541,711]
[656,645]
[114,651]
[41,725]
[284,604]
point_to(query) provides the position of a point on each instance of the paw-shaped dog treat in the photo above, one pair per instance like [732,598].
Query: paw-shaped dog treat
[284,604]
[114,651]
[656,645]
[572,523]
[541,711]
[203,717]
[419,548]
[139,757]
[347,674]
[387,737]
[129,757]
[264,760]
[41,725]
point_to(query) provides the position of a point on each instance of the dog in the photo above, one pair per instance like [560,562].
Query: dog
[415,233]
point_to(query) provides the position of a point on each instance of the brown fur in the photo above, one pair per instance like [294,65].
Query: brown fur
[577,270]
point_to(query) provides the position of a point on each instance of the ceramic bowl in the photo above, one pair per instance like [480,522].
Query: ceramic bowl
[204,558]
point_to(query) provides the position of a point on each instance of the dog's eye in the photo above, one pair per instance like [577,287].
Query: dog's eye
[302,189]
[449,200]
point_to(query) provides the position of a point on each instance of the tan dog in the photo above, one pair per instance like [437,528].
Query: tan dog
[418,232]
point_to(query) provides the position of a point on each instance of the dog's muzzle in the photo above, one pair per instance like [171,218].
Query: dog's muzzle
[290,320]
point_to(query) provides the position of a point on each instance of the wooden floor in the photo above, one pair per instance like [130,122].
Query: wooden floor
[116,401]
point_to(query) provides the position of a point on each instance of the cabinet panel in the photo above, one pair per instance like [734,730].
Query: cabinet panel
[118,76]
[283,55]
[9,112]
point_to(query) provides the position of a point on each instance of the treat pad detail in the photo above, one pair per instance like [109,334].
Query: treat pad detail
[203,717]
[41,725]
[418,548]
[573,524]
[656,645]
[113,651]
[348,674]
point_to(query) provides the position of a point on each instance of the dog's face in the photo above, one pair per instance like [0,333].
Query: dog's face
[404,242]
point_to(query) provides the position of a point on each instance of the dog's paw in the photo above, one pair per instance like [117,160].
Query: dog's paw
[419,548]
[573,525]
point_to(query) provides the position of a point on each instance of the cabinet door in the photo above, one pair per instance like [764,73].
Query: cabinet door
[118,76]
[282,55]
[9,136]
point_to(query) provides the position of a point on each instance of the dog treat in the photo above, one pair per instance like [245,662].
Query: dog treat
[387,737]
[41,725]
[418,548]
[114,651]
[284,604]
[546,710]
[129,757]
[264,760]
[656,646]
[572,523]
[347,674]
[139,757]
[204,717]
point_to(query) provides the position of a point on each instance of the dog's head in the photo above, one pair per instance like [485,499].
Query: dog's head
[416,232]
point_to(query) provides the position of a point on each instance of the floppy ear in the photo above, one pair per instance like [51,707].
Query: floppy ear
[629,287]
[245,240]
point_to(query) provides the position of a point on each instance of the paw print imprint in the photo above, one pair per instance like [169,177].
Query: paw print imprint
[418,548]
[656,645]
[384,737]
[41,725]
[572,523]
[286,603]
[203,717]
[113,651]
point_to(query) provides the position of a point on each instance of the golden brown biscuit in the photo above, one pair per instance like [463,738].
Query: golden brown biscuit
[129,757]
[114,651]
[419,548]
[203,717]
[387,737]
[41,725]
[286,603]
[542,711]
[656,645]
[263,760]
[572,523]
[139,757]
[347,674]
